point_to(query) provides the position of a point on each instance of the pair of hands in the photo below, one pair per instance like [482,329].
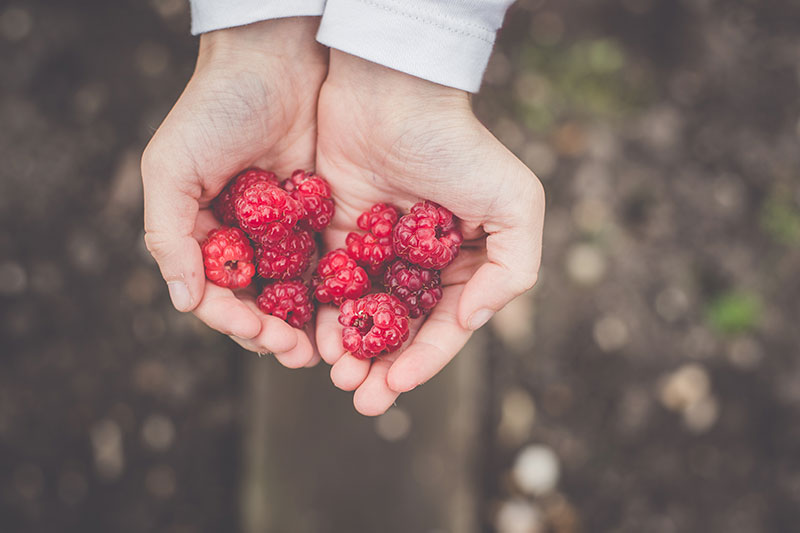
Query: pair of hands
[267,95]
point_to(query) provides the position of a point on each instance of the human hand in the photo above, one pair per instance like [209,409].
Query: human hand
[250,102]
[385,136]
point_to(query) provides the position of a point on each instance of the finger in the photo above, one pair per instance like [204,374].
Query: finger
[290,346]
[349,372]
[513,250]
[329,334]
[315,359]
[438,341]
[373,397]
[170,207]
[221,310]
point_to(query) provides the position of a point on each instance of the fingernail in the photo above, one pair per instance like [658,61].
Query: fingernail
[479,318]
[179,294]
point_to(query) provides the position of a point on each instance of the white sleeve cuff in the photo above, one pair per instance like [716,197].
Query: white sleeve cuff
[444,41]
[209,15]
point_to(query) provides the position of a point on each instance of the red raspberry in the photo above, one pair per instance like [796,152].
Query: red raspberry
[264,208]
[427,236]
[228,256]
[288,258]
[420,289]
[287,300]
[374,249]
[314,193]
[338,278]
[372,252]
[223,204]
[379,220]
[373,325]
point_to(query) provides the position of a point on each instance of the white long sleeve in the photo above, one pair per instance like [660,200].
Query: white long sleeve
[444,41]
[209,15]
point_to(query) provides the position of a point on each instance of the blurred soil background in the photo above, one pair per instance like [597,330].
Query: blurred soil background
[650,383]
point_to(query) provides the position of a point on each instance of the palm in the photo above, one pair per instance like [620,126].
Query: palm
[436,155]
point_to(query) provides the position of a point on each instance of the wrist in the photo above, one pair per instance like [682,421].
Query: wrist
[289,41]
[391,88]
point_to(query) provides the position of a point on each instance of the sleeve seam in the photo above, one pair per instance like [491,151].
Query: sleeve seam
[428,21]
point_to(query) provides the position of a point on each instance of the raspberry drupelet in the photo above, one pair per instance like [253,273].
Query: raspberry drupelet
[420,289]
[427,236]
[223,204]
[373,325]
[314,194]
[265,209]
[338,278]
[228,258]
[287,300]
[288,258]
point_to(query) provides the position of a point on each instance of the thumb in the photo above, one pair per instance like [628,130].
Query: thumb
[513,249]
[170,212]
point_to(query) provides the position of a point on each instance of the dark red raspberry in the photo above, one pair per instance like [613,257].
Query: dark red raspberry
[374,249]
[338,278]
[265,208]
[314,193]
[223,204]
[228,257]
[373,325]
[288,258]
[427,236]
[379,220]
[371,252]
[287,300]
[420,289]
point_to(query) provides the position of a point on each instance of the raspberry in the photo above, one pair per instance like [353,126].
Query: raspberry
[379,220]
[427,236]
[265,208]
[287,300]
[374,249]
[338,277]
[372,252]
[288,258]
[420,289]
[373,325]
[228,256]
[223,204]
[314,193]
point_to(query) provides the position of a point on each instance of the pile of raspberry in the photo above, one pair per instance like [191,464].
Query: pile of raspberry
[383,277]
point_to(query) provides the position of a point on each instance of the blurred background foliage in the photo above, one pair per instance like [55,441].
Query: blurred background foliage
[650,382]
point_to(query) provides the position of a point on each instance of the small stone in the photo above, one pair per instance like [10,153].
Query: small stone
[158,432]
[586,264]
[519,516]
[106,438]
[745,353]
[699,417]
[536,470]
[518,413]
[15,23]
[393,425]
[671,303]
[610,333]
[685,387]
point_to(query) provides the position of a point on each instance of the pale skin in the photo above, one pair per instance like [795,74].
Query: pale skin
[377,135]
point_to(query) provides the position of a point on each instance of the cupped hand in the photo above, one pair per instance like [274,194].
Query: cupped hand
[384,136]
[250,102]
